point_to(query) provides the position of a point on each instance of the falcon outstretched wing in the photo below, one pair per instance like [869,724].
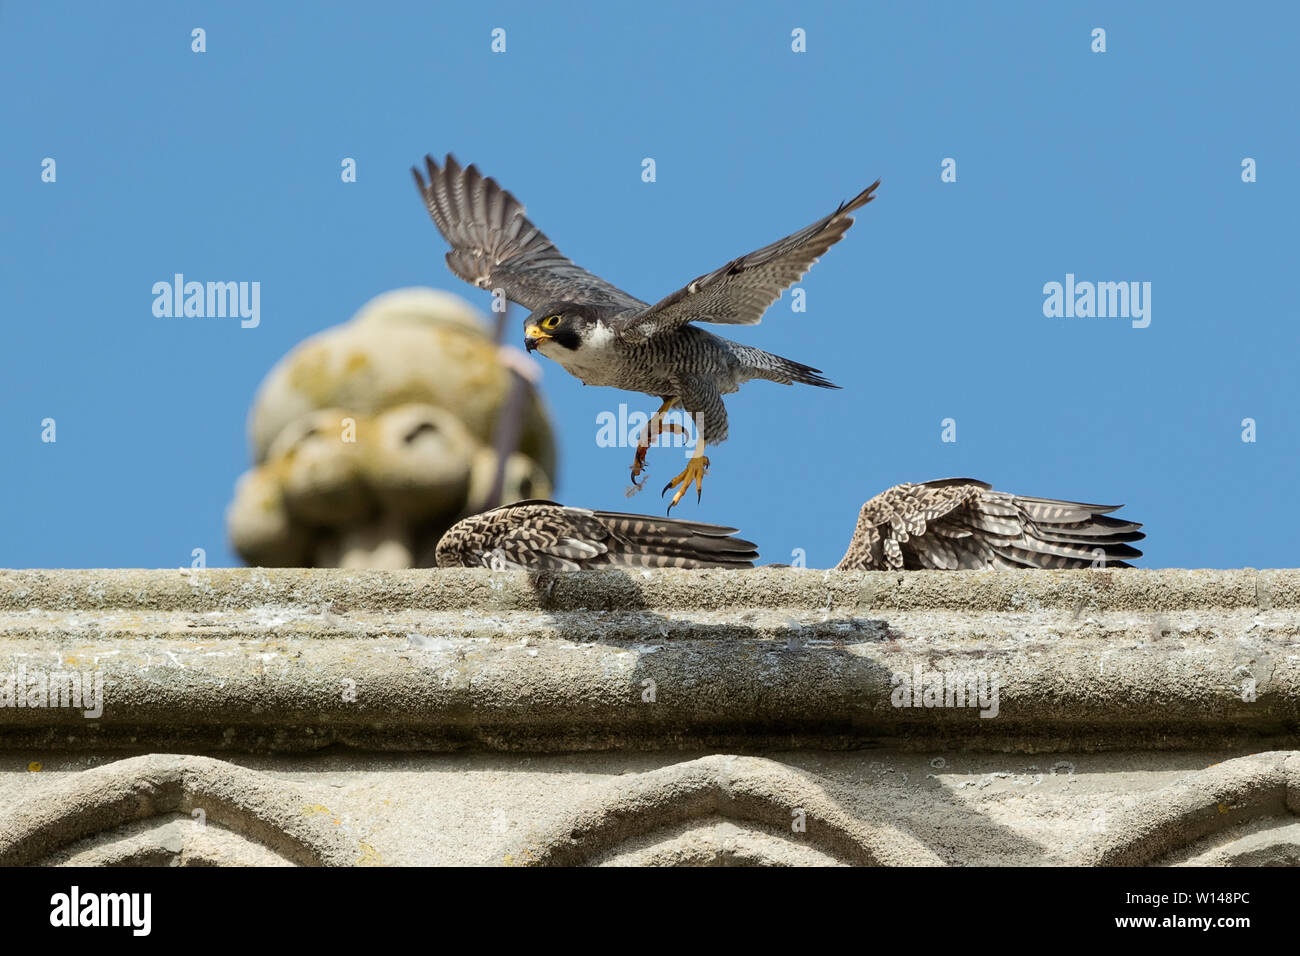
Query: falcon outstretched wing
[960,523]
[495,246]
[743,289]
[545,536]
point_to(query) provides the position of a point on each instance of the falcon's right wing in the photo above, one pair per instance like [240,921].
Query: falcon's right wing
[959,523]
[495,246]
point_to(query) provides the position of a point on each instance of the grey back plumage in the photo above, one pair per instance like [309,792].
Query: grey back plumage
[545,536]
[960,523]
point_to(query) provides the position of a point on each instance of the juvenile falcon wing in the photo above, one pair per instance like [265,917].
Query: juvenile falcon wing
[545,536]
[959,523]
[644,541]
[495,246]
[743,289]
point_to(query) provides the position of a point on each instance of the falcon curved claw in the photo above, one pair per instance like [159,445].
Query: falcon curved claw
[638,466]
[694,473]
[649,434]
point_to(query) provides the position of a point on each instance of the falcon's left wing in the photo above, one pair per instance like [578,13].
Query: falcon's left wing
[741,291]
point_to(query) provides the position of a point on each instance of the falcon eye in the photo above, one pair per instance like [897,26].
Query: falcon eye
[550,322]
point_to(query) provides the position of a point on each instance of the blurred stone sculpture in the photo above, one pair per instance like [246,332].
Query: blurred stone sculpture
[372,438]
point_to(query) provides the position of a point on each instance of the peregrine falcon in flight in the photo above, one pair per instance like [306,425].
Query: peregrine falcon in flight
[962,524]
[545,536]
[604,336]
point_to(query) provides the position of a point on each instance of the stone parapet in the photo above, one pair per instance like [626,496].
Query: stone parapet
[777,715]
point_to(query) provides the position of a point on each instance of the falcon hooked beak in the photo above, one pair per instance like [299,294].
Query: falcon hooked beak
[533,336]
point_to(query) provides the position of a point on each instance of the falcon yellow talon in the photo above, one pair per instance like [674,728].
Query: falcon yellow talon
[655,427]
[694,473]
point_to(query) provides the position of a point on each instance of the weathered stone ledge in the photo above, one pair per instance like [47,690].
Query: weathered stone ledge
[298,660]
[225,589]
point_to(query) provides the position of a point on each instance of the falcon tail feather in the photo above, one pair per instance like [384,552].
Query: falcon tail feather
[777,368]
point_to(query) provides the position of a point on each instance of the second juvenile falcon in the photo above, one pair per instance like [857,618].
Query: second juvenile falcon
[603,335]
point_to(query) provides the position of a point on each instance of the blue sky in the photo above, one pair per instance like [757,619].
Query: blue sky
[1115,166]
